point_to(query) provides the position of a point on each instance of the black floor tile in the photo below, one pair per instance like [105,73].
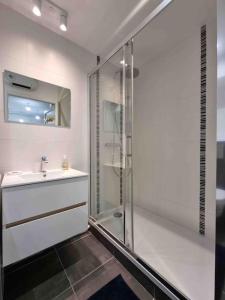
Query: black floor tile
[67,295]
[82,257]
[139,276]
[26,261]
[96,280]
[73,239]
[88,265]
[42,279]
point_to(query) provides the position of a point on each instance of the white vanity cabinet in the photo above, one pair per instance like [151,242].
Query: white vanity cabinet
[38,215]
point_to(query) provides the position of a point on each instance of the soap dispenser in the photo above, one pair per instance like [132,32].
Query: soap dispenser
[65,163]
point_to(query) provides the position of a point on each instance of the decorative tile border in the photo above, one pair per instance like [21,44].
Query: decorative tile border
[121,138]
[203,128]
[98,138]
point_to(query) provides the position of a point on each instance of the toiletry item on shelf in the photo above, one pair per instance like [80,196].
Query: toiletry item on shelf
[65,163]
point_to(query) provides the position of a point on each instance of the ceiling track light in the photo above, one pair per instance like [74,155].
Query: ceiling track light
[63,15]
[37,7]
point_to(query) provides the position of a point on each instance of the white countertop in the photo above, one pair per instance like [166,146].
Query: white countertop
[23,178]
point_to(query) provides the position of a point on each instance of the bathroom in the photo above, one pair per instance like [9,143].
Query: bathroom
[112,149]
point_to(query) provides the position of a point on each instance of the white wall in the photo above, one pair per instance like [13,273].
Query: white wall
[167,133]
[32,50]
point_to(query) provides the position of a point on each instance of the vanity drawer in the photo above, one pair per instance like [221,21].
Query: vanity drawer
[24,240]
[22,202]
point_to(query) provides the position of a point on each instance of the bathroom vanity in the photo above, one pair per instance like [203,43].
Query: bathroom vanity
[40,210]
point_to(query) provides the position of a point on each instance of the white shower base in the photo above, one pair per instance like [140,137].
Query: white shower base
[182,257]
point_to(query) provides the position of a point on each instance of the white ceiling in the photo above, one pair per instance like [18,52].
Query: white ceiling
[97,25]
[100,25]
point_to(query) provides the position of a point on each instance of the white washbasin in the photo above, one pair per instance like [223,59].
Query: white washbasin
[51,174]
[22,178]
[35,176]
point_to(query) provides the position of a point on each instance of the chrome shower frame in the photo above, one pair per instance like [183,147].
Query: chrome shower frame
[128,252]
[159,9]
[129,38]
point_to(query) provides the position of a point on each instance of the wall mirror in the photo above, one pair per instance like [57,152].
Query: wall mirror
[31,101]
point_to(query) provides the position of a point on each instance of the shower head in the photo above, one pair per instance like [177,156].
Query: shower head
[136,72]
[129,72]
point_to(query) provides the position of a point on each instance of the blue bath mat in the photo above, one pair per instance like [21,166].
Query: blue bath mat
[117,289]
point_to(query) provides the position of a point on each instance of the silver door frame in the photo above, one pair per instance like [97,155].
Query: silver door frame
[131,35]
[220,230]
[159,9]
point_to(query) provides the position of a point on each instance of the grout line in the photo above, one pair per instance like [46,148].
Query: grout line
[73,242]
[82,237]
[93,271]
[62,293]
[71,286]
[87,275]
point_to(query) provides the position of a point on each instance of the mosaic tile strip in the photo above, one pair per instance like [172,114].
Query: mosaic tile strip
[203,103]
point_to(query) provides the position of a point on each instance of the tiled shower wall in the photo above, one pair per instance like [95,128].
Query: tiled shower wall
[32,50]
[167,144]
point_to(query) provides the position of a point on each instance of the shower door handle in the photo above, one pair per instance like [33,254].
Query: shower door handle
[129,150]
[129,160]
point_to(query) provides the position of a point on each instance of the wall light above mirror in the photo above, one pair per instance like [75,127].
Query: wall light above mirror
[31,101]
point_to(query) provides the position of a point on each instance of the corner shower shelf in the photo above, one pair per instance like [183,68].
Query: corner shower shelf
[115,165]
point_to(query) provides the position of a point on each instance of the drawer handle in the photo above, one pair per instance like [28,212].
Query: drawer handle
[41,216]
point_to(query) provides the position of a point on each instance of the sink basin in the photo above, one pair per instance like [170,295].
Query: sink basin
[35,176]
[23,178]
[52,174]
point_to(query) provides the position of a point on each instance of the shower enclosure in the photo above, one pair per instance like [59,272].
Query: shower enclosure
[111,144]
[150,145]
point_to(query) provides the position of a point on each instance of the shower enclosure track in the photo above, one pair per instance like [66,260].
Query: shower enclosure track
[131,35]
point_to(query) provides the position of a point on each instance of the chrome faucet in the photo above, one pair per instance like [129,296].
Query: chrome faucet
[44,161]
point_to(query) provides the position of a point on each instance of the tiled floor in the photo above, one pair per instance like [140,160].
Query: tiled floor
[74,270]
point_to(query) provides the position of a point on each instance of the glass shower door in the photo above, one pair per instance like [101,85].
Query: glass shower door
[110,145]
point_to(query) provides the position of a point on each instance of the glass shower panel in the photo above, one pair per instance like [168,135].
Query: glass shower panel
[149,105]
[173,231]
[109,168]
